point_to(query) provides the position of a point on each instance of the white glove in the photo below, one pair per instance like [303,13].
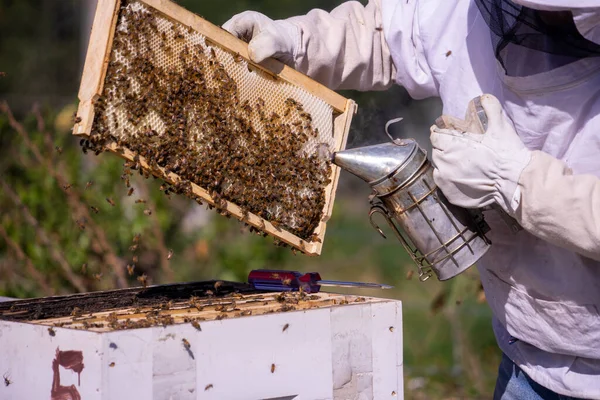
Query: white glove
[474,170]
[267,38]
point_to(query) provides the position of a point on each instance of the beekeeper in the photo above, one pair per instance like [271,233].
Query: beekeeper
[538,62]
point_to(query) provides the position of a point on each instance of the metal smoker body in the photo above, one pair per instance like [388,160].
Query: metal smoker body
[441,238]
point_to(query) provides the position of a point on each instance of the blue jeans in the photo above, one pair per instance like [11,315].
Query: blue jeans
[514,384]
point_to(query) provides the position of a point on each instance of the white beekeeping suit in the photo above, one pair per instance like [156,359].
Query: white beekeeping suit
[543,283]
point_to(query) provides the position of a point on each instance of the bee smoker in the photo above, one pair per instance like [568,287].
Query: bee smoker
[440,237]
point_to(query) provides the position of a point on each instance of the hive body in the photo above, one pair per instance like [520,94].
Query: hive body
[329,347]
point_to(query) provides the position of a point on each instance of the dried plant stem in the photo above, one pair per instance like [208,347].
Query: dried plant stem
[35,274]
[73,197]
[41,126]
[43,237]
[158,234]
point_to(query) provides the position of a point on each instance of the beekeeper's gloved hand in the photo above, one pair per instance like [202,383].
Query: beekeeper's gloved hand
[267,38]
[475,170]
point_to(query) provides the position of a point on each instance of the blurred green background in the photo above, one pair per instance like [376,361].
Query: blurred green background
[450,351]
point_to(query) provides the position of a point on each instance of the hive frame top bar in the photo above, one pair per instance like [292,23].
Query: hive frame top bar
[92,85]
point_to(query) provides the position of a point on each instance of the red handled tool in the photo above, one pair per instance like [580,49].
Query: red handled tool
[288,281]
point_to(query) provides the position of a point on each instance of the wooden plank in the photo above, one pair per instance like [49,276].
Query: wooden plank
[235,45]
[96,62]
[341,128]
[98,53]
[209,309]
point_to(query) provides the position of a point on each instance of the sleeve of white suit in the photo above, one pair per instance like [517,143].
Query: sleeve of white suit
[559,207]
[346,48]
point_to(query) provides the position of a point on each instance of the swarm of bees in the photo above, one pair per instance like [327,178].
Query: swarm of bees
[185,115]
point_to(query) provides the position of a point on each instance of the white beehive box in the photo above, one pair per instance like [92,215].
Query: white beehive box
[327,346]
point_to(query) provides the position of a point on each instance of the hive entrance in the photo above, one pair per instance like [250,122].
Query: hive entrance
[197,113]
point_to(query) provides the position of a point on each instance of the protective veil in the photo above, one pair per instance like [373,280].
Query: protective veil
[565,36]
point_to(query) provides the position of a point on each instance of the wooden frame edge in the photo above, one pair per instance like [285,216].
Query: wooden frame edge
[346,121]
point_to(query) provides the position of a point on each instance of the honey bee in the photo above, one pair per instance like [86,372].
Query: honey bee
[285,327]
[143,279]
[87,185]
[186,344]
[94,209]
[67,186]
[135,259]
[448,53]
[207,387]
[112,364]
[409,274]
[98,276]
[81,223]
[136,238]
[196,325]
[147,212]
[51,331]
[272,368]
[130,191]
[77,120]
[7,380]
[140,201]
[130,269]
[391,329]
[218,284]
[76,312]
[170,254]
[133,248]
[58,149]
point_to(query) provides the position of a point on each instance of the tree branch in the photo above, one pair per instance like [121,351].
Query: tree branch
[31,269]
[75,280]
[73,198]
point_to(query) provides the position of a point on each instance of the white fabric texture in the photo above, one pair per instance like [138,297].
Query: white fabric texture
[551,5]
[344,49]
[587,22]
[539,283]
[543,283]
[277,39]
[474,169]
[555,196]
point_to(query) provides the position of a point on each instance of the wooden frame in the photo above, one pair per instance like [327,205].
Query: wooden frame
[92,85]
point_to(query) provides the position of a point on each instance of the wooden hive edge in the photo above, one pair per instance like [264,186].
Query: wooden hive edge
[235,307]
[341,128]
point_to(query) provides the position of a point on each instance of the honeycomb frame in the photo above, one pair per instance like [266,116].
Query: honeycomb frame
[92,85]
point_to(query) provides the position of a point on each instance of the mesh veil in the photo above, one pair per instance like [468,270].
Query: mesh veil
[511,23]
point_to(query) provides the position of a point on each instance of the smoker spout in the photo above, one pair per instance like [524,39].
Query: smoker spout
[377,162]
